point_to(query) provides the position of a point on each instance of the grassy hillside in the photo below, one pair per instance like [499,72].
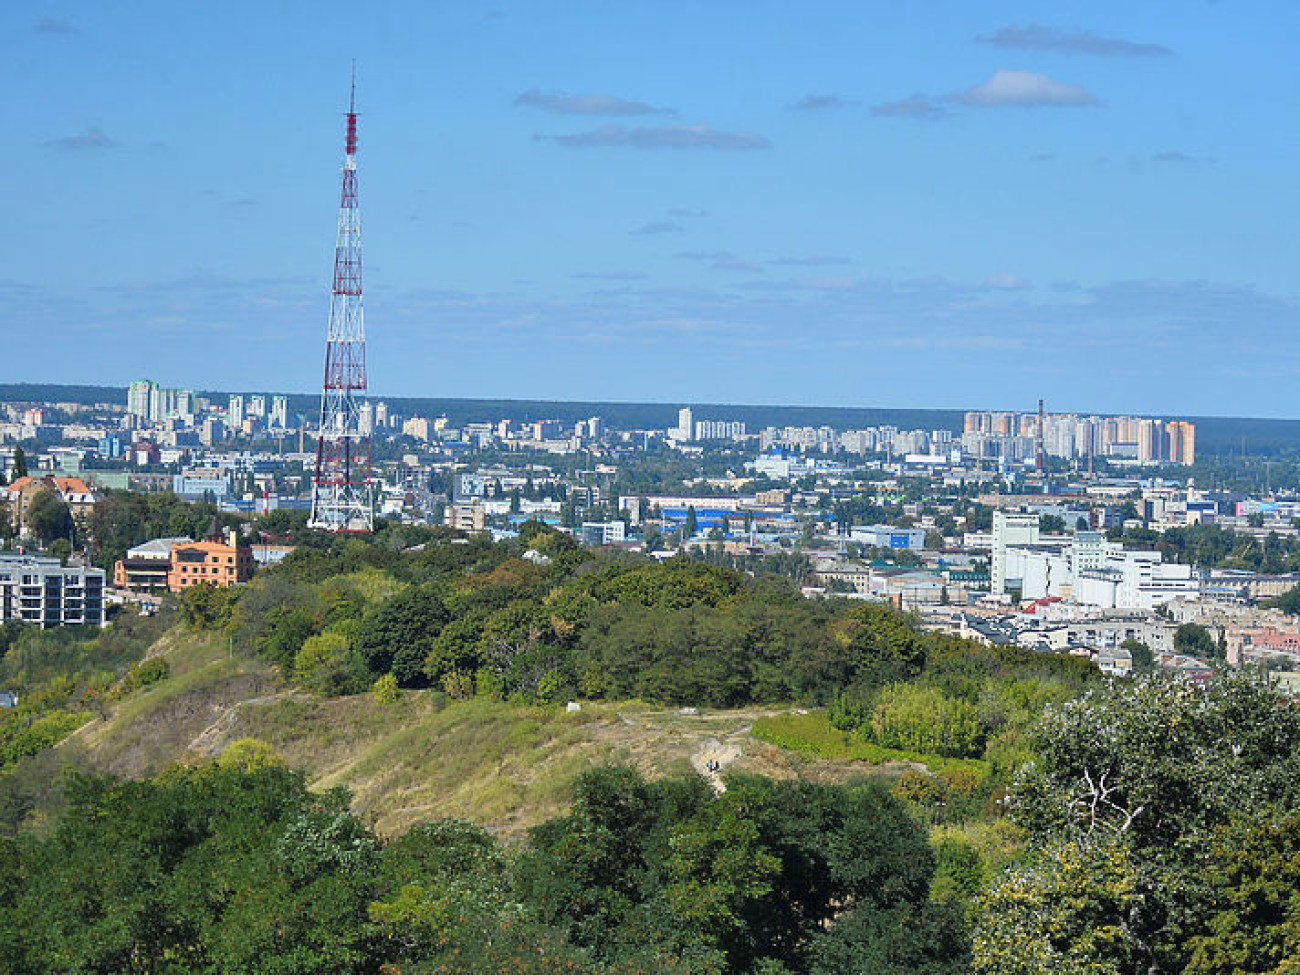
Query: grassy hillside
[423,757]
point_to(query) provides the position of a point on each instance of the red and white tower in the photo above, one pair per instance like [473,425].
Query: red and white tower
[341,498]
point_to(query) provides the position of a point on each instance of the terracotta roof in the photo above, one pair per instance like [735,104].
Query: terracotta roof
[64,485]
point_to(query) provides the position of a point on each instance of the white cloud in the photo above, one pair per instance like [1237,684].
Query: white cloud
[1025,89]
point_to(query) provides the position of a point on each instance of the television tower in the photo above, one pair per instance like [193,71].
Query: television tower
[341,499]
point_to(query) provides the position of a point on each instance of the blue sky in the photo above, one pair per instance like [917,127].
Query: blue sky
[860,203]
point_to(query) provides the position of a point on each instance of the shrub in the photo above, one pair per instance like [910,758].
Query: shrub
[384,690]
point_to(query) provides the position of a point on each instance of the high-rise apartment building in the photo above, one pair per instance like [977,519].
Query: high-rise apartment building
[1181,442]
[685,429]
[139,398]
[1122,438]
[151,403]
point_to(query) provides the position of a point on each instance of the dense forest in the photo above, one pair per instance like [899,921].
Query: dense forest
[1032,817]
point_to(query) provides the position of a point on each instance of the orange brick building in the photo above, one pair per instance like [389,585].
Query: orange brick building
[214,561]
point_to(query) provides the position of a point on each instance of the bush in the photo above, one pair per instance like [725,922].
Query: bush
[208,607]
[142,674]
[249,755]
[328,665]
[922,719]
[384,690]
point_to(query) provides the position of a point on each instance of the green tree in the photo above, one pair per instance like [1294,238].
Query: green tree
[1254,925]
[1143,659]
[1196,641]
[199,869]
[20,463]
[207,607]
[398,636]
[1130,787]
[328,664]
[1288,602]
[881,644]
[692,523]
[769,876]
[445,890]
[48,517]
[922,719]
[1067,911]
[250,755]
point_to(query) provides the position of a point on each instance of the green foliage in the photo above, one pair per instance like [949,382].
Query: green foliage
[880,642]
[328,664]
[1254,870]
[921,719]
[899,940]
[22,735]
[1065,913]
[142,674]
[384,690]
[605,624]
[960,870]
[208,607]
[1133,784]
[1216,546]
[200,869]
[63,677]
[1195,640]
[398,636]
[123,519]
[675,584]
[919,788]
[249,755]
[1143,658]
[731,883]
[48,517]
[814,736]
[1288,602]
[1051,524]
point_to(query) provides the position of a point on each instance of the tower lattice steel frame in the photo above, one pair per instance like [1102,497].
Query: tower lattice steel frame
[341,498]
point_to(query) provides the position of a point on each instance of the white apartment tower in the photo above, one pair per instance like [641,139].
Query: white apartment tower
[685,429]
[1009,528]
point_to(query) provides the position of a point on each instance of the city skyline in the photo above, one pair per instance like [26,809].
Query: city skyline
[754,204]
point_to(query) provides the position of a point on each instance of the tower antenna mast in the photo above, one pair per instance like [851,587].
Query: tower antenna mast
[341,497]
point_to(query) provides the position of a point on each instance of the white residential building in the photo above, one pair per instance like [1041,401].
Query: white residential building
[1009,528]
[43,592]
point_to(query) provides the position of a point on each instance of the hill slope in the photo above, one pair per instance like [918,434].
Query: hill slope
[503,765]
